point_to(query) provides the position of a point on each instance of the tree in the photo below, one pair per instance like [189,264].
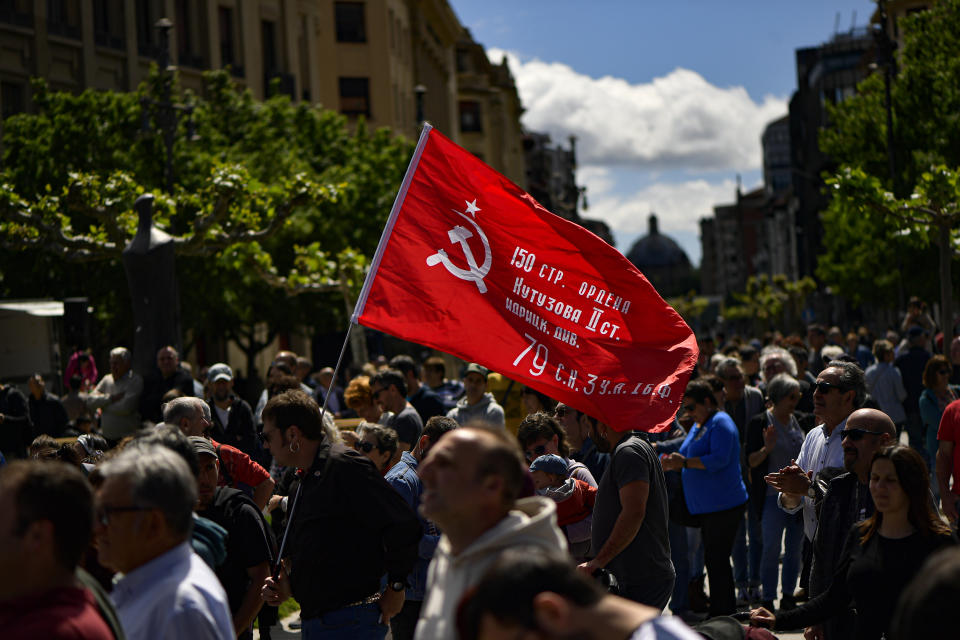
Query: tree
[271,193]
[768,302]
[874,223]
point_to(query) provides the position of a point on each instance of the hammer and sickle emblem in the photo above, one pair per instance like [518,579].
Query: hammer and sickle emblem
[475,273]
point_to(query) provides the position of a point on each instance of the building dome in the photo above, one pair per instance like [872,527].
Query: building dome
[657,250]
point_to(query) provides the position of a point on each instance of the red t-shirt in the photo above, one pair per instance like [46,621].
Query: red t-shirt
[949,431]
[68,613]
[239,466]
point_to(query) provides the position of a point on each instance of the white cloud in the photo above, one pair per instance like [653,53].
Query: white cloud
[678,205]
[677,121]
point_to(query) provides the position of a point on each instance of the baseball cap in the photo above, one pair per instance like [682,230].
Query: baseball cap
[550,463]
[202,445]
[219,371]
[473,367]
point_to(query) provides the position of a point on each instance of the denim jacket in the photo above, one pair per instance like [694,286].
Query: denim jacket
[403,477]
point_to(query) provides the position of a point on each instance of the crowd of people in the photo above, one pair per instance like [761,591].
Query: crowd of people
[804,484]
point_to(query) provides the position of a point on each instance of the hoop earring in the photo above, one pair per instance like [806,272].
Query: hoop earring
[290,446]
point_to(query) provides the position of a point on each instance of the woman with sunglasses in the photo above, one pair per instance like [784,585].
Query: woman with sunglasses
[713,487]
[377,443]
[937,394]
[882,553]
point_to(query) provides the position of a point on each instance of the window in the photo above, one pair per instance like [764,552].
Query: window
[268,41]
[63,18]
[350,22]
[18,12]
[12,99]
[108,24]
[470,119]
[228,51]
[355,96]
[147,14]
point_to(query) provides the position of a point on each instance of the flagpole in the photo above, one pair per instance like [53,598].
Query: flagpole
[388,229]
[296,497]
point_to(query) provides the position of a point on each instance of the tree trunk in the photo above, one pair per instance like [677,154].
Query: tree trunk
[946,283]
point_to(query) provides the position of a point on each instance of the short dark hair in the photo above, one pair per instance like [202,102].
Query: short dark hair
[436,365]
[542,425]
[386,437]
[75,382]
[747,352]
[389,377]
[437,426]
[817,328]
[405,364]
[507,590]
[295,408]
[56,492]
[700,391]
[283,383]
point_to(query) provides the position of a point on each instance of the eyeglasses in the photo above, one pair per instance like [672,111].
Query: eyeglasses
[826,387]
[856,434]
[536,452]
[102,514]
[365,447]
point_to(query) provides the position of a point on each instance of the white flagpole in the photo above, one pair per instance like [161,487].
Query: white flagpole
[388,229]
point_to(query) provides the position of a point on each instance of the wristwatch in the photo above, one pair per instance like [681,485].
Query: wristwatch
[398,586]
[810,492]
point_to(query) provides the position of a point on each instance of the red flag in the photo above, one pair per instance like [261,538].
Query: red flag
[471,265]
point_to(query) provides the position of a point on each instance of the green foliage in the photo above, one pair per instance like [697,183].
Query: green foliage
[690,306]
[271,199]
[771,303]
[875,227]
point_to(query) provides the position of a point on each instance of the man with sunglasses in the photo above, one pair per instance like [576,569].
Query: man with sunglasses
[840,389]
[846,502]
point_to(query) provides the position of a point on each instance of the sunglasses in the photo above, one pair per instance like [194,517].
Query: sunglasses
[856,434]
[536,452]
[365,447]
[827,387]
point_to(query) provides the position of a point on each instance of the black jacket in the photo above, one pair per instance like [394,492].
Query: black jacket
[349,529]
[239,431]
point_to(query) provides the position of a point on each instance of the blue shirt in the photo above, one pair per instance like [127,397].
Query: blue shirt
[173,596]
[404,479]
[719,486]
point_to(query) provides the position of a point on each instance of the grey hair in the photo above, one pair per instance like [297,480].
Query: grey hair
[184,407]
[121,352]
[831,351]
[851,379]
[781,386]
[158,479]
[330,430]
[777,353]
[726,364]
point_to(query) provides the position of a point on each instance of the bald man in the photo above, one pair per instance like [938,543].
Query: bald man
[846,502]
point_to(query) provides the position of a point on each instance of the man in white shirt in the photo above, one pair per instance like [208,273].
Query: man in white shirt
[144,514]
[118,394]
[839,391]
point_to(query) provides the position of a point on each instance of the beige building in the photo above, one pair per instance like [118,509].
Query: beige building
[489,110]
[364,58]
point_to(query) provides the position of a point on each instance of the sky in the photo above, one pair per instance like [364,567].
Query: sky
[668,100]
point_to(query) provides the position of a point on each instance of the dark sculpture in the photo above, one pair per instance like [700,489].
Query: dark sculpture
[151,276]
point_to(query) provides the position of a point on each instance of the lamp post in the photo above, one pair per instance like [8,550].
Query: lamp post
[164,113]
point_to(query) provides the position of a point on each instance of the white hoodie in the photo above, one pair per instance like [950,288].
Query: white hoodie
[533,522]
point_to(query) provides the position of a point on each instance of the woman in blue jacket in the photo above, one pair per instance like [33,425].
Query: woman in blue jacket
[713,487]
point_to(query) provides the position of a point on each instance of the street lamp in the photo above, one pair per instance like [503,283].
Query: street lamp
[164,113]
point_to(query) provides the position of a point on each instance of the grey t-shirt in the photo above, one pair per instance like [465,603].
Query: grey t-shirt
[407,424]
[648,556]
